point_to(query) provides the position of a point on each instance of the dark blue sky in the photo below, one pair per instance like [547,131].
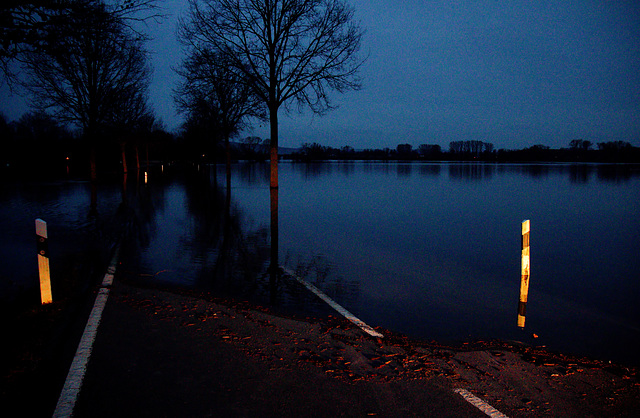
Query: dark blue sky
[514,73]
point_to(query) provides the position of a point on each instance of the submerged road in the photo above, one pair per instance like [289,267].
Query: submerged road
[159,353]
[141,354]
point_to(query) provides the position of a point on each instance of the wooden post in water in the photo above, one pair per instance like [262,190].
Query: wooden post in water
[525,271]
[43,262]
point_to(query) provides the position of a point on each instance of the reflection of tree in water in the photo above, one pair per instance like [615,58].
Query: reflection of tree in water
[347,168]
[430,169]
[617,173]
[233,254]
[230,257]
[207,245]
[579,173]
[140,204]
[536,170]
[471,171]
[404,170]
[313,170]
[254,173]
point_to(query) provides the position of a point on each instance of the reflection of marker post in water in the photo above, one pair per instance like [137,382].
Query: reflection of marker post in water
[525,271]
[43,262]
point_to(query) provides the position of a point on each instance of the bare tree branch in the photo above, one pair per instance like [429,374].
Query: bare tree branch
[285,50]
[89,69]
[23,23]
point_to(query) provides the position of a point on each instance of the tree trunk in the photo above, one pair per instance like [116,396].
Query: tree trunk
[273,114]
[123,152]
[137,159]
[92,162]
[273,119]
[275,264]
[227,148]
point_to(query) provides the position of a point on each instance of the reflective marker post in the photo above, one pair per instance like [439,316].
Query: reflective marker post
[43,262]
[525,272]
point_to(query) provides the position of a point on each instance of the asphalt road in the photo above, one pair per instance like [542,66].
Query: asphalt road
[151,359]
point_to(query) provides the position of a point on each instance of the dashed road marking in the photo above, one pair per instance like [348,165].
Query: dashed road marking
[479,403]
[351,317]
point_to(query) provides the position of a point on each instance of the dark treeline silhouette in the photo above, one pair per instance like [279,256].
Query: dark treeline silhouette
[39,143]
[85,64]
[578,151]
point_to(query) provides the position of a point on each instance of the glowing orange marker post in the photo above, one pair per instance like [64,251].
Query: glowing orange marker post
[525,272]
[43,262]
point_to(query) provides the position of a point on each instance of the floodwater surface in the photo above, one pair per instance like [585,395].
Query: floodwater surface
[428,250]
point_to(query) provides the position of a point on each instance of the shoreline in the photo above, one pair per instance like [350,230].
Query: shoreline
[334,316]
[516,379]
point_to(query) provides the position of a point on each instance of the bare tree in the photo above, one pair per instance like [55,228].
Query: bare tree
[24,22]
[286,50]
[252,147]
[132,119]
[210,90]
[88,69]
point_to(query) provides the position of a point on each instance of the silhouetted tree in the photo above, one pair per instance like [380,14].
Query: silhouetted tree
[404,150]
[207,78]
[347,152]
[315,151]
[133,118]
[6,142]
[580,144]
[23,23]
[252,147]
[616,151]
[36,139]
[286,50]
[201,130]
[430,151]
[88,68]
[470,149]
[614,146]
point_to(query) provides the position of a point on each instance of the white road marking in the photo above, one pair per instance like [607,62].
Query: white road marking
[479,403]
[468,396]
[71,389]
[366,328]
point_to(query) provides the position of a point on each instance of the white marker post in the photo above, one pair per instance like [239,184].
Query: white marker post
[43,262]
[525,272]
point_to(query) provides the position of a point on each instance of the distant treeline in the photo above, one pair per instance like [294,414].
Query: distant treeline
[577,151]
[37,141]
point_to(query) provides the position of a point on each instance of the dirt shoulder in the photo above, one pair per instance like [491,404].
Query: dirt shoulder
[517,380]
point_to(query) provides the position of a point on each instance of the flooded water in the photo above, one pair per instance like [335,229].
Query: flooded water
[429,250]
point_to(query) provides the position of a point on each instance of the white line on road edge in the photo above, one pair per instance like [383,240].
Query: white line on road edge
[366,328]
[72,385]
[479,403]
